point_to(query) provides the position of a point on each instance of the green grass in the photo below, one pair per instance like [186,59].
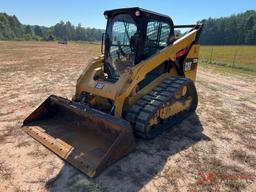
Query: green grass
[229,58]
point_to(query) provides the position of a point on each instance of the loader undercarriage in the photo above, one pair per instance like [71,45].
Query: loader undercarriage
[169,103]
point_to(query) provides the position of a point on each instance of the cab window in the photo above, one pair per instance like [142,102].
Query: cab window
[157,37]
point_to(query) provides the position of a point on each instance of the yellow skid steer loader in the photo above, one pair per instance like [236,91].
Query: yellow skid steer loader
[141,85]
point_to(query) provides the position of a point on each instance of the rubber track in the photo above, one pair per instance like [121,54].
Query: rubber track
[141,112]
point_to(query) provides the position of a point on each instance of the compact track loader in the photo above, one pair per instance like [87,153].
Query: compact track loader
[141,85]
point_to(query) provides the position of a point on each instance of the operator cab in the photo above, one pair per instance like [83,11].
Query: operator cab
[133,35]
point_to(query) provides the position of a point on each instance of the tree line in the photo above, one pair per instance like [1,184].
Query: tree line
[12,29]
[234,30]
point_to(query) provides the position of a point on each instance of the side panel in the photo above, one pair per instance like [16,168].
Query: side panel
[140,70]
[191,62]
[128,81]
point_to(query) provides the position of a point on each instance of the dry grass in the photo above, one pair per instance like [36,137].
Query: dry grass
[242,55]
[219,139]
[222,176]
[24,144]
[244,158]
[232,59]
[5,172]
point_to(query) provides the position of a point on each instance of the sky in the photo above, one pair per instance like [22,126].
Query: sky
[89,13]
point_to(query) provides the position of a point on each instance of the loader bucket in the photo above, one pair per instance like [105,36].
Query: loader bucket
[88,139]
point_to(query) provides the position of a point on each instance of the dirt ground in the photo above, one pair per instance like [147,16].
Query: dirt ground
[212,150]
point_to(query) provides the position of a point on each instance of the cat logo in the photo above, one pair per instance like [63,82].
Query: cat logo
[188,66]
[99,85]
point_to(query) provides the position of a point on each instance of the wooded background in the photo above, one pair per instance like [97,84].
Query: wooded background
[237,29]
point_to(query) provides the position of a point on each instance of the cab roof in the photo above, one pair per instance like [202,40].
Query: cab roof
[132,10]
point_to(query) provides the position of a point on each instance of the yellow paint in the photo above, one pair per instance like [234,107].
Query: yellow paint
[172,109]
[125,88]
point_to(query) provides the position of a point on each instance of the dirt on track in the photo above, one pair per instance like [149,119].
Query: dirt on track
[212,150]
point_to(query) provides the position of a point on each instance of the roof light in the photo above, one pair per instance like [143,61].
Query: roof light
[137,13]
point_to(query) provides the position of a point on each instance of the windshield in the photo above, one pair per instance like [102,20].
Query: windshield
[120,54]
